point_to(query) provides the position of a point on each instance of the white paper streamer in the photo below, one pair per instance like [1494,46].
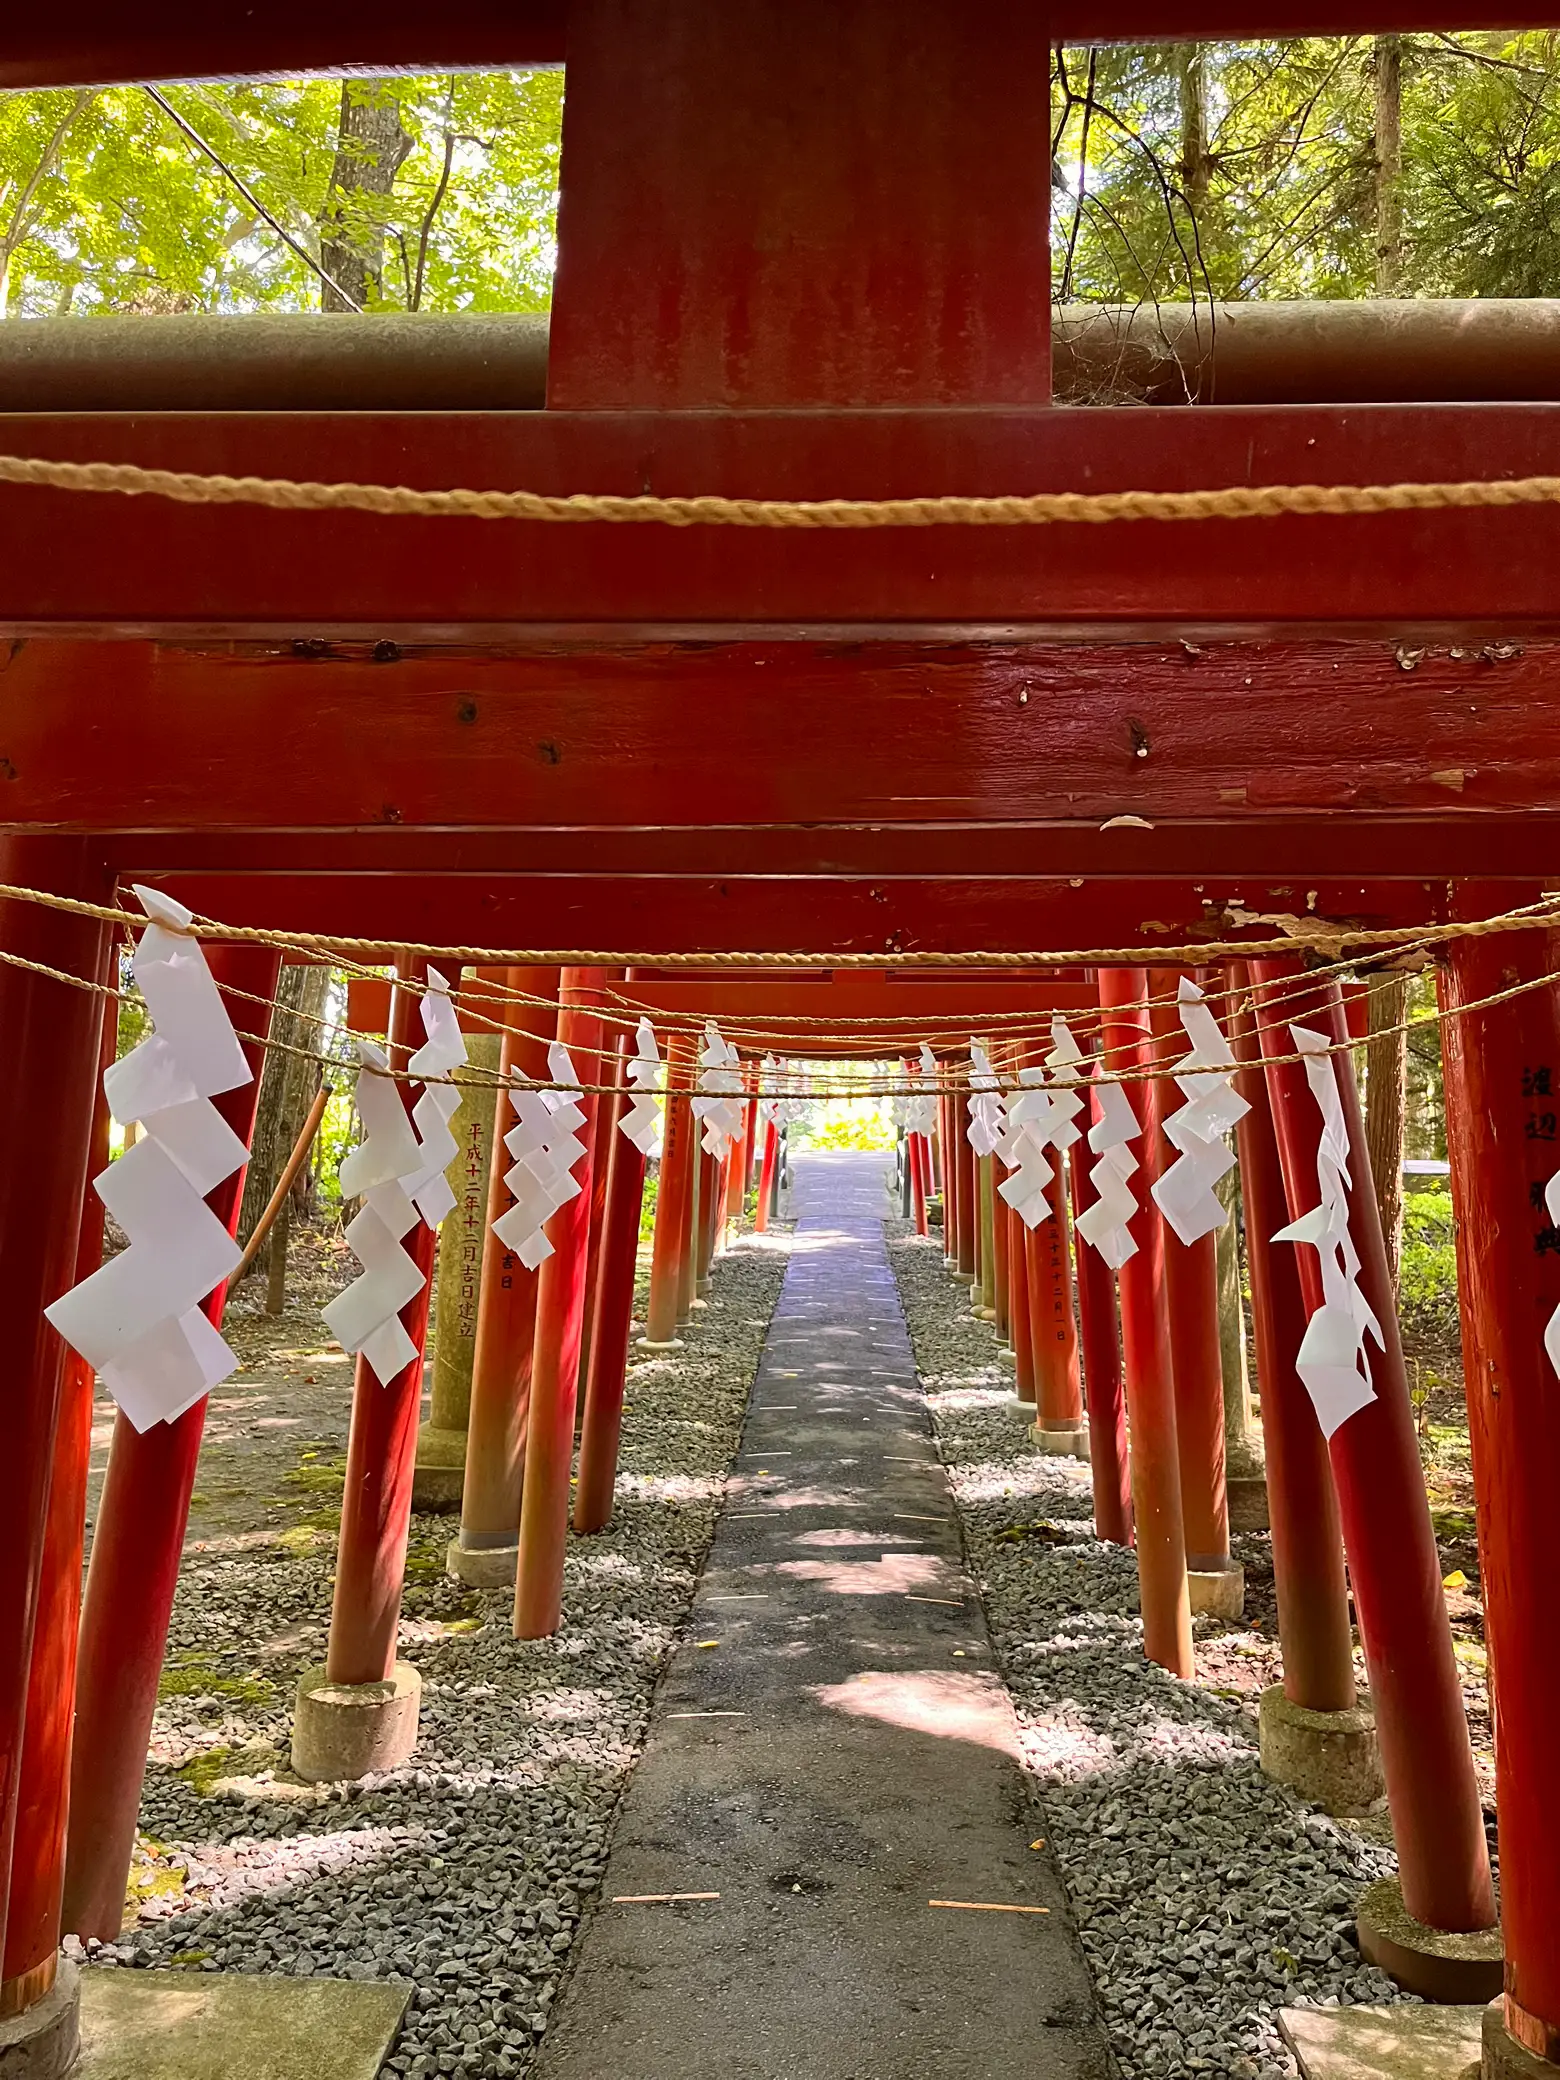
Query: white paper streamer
[985,1105]
[641,1121]
[137,1320]
[545,1144]
[719,1108]
[1552,1330]
[1185,1193]
[1038,1120]
[1332,1360]
[768,1108]
[1104,1224]
[366,1318]
[442,1053]
[919,1115]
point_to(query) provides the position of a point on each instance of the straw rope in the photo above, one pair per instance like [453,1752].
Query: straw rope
[1038,509]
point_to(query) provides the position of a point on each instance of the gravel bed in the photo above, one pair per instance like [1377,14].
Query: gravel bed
[469,1870]
[1206,1896]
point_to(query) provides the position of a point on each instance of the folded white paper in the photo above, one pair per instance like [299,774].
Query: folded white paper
[641,1121]
[1104,1225]
[366,1318]
[1185,1194]
[545,1145]
[718,1108]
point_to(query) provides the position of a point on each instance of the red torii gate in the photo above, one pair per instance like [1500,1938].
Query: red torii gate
[793,264]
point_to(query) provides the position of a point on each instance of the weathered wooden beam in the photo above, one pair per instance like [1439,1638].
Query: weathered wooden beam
[102,563]
[1197,743]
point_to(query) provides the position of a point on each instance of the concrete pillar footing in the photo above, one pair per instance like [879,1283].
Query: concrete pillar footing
[439,1477]
[647,1343]
[1505,2056]
[963,1278]
[1247,1499]
[43,2041]
[1217,1588]
[482,1567]
[1015,1405]
[343,1731]
[984,1314]
[1062,1440]
[1454,1969]
[1330,1758]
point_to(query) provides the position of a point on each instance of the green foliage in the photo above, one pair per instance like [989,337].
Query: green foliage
[837,1127]
[1427,1273]
[1281,200]
[105,205]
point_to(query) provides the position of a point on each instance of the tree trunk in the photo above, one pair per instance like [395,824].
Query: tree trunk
[1389,167]
[1192,82]
[287,1087]
[1386,1069]
[370,146]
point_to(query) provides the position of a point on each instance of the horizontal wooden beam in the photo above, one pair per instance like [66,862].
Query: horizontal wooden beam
[1238,757]
[603,913]
[101,41]
[103,563]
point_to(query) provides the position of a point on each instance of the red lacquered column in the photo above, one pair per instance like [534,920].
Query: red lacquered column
[37,1876]
[672,1209]
[560,1314]
[376,1506]
[1502,1109]
[1156,1479]
[1420,1724]
[137,1543]
[1192,1309]
[766,1175]
[1058,1388]
[1308,1570]
[1100,1337]
[506,1304]
[614,1318]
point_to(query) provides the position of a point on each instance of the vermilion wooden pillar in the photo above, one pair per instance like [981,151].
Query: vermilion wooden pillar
[49,1045]
[376,1504]
[602,1068]
[1308,1570]
[555,1363]
[605,1375]
[712,1196]
[506,1303]
[1436,1817]
[37,1875]
[672,1209]
[969,1202]
[1156,1479]
[1058,1389]
[1100,1337]
[766,1175]
[1022,1278]
[1002,1224]
[137,1544]
[920,1164]
[1192,1307]
[1502,1109]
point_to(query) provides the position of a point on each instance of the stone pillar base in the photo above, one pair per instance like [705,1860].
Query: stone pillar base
[1062,1440]
[1248,1501]
[439,1477]
[984,1314]
[42,2042]
[1015,1405]
[1330,1758]
[342,1731]
[1505,2057]
[672,1343]
[1217,1588]
[482,1567]
[963,1278]
[1457,1970]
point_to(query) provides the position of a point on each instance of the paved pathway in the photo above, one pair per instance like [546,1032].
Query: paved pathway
[831,1751]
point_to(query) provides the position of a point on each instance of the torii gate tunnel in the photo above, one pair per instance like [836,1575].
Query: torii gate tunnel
[802,254]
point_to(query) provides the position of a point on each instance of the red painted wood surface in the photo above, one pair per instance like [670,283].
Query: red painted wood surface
[101,562]
[769,206]
[1502,1075]
[1100,1337]
[611,1324]
[1308,1569]
[1394,1571]
[567,741]
[1192,1302]
[506,1303]
[555,1363]
[37,1873]
[49,1042]
[1150,1387]
[98,42]
[376,1505]
[766,1176]
[1058,1389]
[673,1193]
[137,1547]
[919,1157]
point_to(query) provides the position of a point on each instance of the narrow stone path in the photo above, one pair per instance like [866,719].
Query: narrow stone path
[831,1751]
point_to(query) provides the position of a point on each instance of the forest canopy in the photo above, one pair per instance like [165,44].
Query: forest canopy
[1425,165]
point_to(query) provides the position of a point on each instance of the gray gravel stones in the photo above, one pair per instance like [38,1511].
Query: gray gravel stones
[469,1870]
[1206,1896]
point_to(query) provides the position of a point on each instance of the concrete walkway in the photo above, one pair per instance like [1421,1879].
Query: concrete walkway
[831,1751]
